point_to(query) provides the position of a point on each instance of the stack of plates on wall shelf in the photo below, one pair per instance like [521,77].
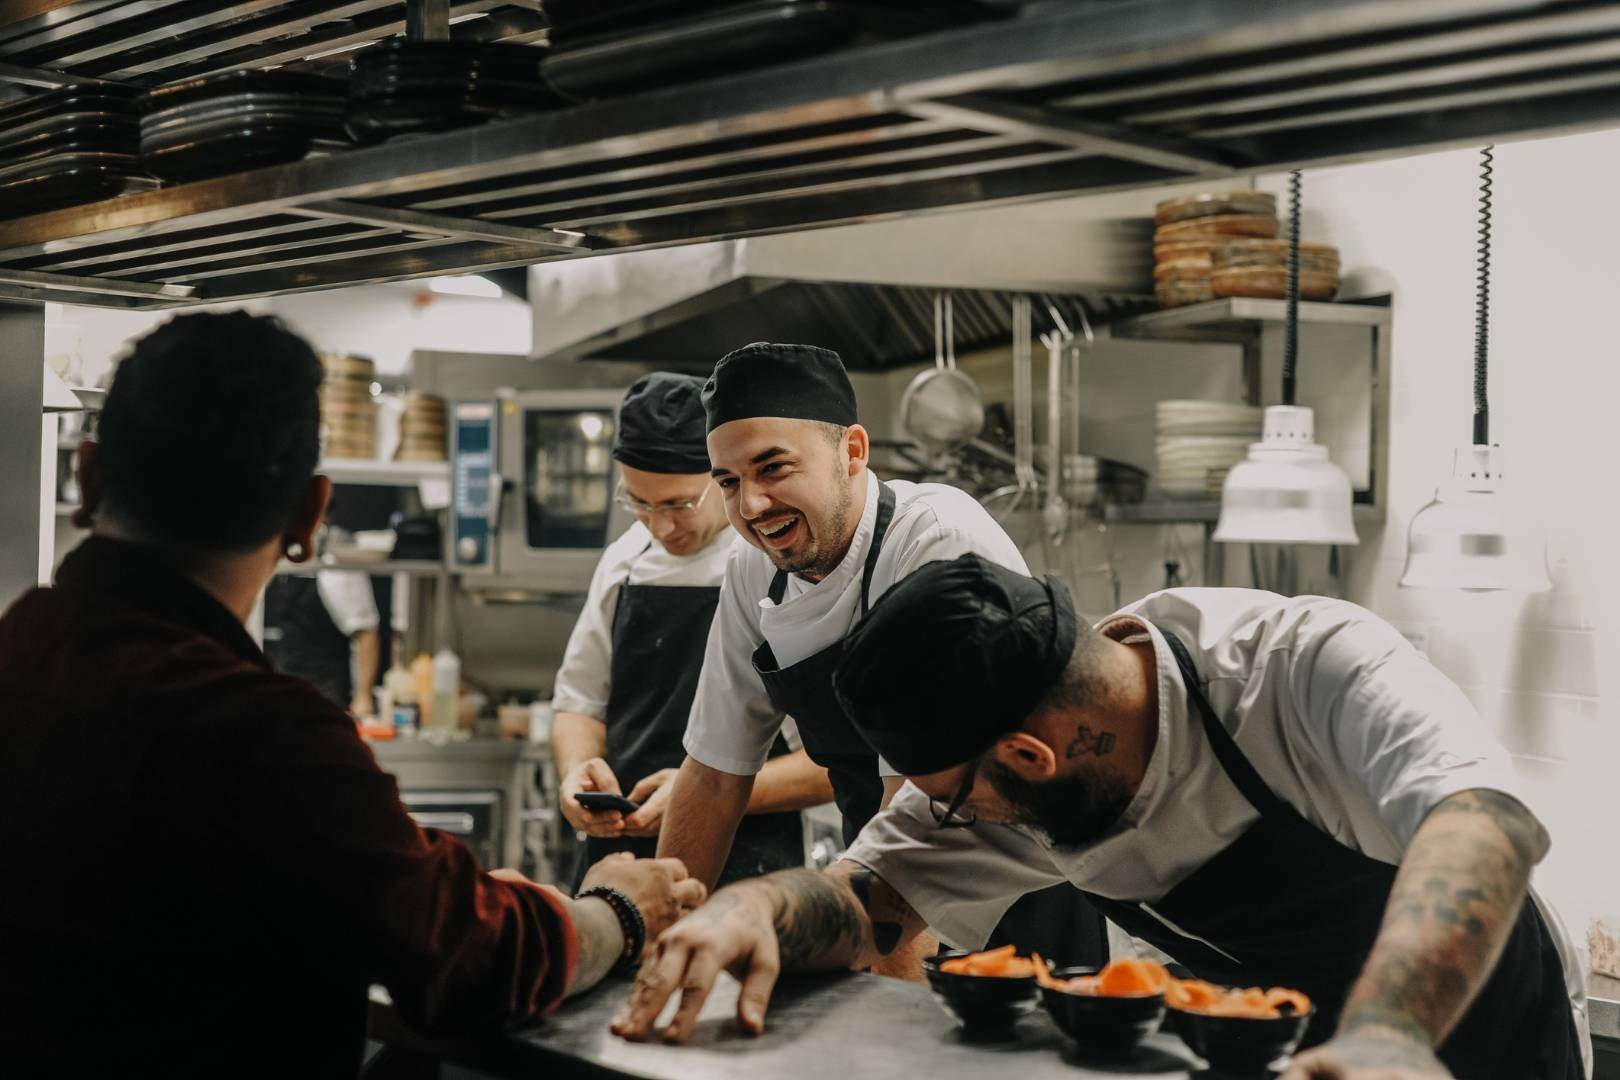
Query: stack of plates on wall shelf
[239,120]
[1260,268]
[401,86]
[348,414]
[67,147]
[1094,481]
[1199,442]
[1188,232]
[606,47]
[422,430]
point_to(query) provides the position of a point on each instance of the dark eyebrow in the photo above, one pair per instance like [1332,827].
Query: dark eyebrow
[766,455]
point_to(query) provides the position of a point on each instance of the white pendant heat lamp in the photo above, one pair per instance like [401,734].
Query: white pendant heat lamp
[1469,537]
[1287,491]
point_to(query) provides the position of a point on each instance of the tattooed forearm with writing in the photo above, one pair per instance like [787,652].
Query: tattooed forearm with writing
[1459,889]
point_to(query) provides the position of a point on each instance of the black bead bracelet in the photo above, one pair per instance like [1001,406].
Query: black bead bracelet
[630,921]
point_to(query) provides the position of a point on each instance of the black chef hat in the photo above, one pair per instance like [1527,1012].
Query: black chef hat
[950,659]
[661,425]
[797,382]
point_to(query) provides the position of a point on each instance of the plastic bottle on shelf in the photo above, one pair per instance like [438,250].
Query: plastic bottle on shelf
[400,690]
[446,689]
[422,687]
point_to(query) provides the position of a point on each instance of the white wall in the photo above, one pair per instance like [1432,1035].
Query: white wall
[1540,668]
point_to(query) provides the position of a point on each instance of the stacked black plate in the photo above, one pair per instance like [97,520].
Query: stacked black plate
[238,120]
[402,86]
[606,47]
[67,147]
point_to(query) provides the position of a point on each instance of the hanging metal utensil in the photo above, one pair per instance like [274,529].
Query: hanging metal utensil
[941,409]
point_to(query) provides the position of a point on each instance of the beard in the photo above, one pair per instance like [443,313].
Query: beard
[818,555]
[1071,811]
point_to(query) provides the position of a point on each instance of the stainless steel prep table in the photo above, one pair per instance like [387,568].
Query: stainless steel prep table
[818,1028]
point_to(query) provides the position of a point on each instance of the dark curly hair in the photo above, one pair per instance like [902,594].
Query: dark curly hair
[211,431]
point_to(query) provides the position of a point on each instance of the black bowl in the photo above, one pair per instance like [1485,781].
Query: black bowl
[1239,1043]
[980,1003]
[1103,1024]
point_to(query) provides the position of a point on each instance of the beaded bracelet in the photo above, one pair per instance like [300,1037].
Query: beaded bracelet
[630,921]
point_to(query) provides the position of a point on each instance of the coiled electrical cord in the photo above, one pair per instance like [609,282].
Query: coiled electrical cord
[1482,304]
[1291,350]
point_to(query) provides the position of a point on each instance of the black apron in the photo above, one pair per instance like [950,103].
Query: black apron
[301,639]
[804,691]
[659,634]
[1287,905]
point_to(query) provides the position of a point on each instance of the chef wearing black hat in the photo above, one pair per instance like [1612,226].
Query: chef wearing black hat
[631,667]
[1273,791]
[825,540]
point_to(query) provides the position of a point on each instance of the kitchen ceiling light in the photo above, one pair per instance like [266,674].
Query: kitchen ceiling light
[1467,537]
[1287,491]
[1463,540]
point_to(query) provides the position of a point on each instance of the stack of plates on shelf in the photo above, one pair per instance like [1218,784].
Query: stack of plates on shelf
[1200,441]
[401,86]
[1260,268]
[68,147]
[348,415]
[422,430]
[238,120]
[606,47]
[1190,229]
[1094,481]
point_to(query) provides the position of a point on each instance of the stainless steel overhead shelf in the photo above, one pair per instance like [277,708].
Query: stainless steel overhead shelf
[1066,99]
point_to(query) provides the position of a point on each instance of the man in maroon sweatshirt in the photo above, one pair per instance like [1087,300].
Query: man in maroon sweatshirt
[203,867]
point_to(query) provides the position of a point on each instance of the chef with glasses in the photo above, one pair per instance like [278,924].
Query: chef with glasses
[631,667]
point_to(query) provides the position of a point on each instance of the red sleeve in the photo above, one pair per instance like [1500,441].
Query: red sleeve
[456,948]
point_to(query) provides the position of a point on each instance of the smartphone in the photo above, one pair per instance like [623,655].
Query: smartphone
[605,800]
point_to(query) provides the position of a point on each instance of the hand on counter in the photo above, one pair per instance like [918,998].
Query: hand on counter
[734,932]
[652,793]
[592,774]
[660,888]
[1368,1054]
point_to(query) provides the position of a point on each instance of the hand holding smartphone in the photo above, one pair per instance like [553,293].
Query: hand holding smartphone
[605,800]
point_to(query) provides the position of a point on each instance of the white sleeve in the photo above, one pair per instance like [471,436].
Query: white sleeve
[939,543]
[348,599]
[733,722]
[1392,721]
[399,617]
[961,881]
[585,678]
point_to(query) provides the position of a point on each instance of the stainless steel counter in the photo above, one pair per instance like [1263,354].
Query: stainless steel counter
[1603,1006]
[818,1028]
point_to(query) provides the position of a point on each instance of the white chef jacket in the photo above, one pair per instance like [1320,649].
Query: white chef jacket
[1341,717]
[352,606]
[733,721]
[586,676]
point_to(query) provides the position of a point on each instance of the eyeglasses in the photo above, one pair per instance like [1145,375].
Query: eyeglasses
[681,509]
[951,815]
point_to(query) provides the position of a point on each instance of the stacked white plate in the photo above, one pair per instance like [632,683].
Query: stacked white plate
[1199,442]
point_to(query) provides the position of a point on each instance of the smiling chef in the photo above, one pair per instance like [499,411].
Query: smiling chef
[1274,791]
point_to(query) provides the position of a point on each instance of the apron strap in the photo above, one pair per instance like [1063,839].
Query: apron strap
[885,514]
[1238,770]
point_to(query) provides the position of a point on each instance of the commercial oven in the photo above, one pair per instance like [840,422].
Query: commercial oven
[534,480]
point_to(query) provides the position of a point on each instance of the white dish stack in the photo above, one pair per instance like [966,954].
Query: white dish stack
[1199,442]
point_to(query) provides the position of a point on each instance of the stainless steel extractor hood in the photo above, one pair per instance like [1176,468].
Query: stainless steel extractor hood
[866,291]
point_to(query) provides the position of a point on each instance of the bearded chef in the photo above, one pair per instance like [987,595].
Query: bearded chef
[1274,791]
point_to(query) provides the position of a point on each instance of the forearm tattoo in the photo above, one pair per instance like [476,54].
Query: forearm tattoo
[1455,899]
[818,921]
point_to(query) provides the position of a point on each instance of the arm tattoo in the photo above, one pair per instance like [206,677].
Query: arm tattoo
[1087,741]
[883,906]
[1454,903]
[818,923]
